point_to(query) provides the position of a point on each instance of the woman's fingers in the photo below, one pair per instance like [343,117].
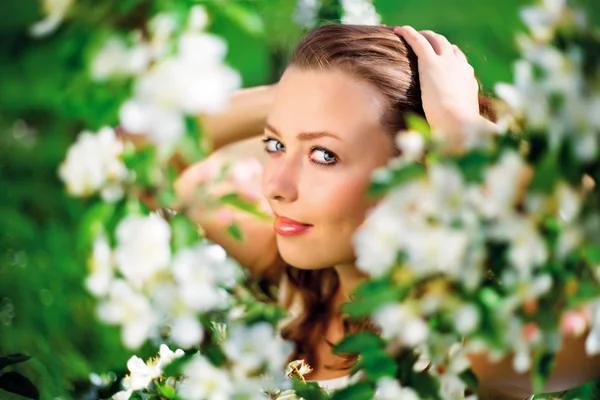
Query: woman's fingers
[440,44]
[458,53]
[418,43]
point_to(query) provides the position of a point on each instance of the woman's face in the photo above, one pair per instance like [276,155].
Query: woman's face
[324,139]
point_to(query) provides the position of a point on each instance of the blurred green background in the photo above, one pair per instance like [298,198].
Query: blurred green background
[46,99]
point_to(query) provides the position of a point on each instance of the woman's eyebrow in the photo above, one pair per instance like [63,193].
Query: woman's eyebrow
[303,136]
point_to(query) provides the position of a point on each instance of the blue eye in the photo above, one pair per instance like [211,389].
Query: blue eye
[273,145]
[322,156]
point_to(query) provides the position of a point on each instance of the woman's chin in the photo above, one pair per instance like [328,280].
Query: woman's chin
[302,260]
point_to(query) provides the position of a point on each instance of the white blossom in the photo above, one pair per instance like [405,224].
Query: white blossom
[204,381]
[592,342]
[114,58]
[141,373]
[143,248]
[94,164]
[543,19]
[501,186]
[527,248]
[55,11]
[198,18]
[359,12]
[376,242]
[186,331]
[401,322]
[167,356]
[201,272]
[194,81]
[390,389]
[101,266]
[525,97]
[122,395]
[254,346]
[436,249]
[129,309]
[306,12]
[466,319]
[569,202]
[411,144]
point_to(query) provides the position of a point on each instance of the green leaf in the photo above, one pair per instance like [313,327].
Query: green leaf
[167,197]
[176,366]
[370,296]
[360,342]
[592,254]
[235,231]
[94,222]
[428,385]
[543,364]
[167,391]
[490,298]
[384,180]
[143,162]
[11,359]
[470,379]
[546,174]
[215,354]
[309,390]
[245,17]
[258,312]
[184,232]
[195,145]
[378,363]
[237,201]
[419,124]
[474,164]
[357,391]
[16,383]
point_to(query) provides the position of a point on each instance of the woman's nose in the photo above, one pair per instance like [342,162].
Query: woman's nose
[280,180]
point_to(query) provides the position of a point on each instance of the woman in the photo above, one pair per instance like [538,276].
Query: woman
[331,122]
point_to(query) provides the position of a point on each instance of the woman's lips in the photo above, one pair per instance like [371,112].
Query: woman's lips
[288,227]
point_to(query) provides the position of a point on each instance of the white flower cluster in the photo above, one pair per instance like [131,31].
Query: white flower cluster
[306,13]
[390,389]
[145,287]
[94,164]
[546,74]
[359,12]
[440,229]
[252,351]
[55,11]
[141,373]
[171,81]
[439,225]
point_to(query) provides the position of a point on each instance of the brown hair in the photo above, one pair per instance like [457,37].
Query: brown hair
[378,56]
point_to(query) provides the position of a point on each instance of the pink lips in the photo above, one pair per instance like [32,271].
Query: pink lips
[288,227]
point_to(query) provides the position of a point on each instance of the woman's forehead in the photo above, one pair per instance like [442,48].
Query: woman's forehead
[330,100]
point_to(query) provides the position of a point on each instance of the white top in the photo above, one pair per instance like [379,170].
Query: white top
[330,385]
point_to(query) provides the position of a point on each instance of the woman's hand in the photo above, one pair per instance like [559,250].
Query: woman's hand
[449,89]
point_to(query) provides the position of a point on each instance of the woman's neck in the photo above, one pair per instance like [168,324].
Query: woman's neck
[350,277]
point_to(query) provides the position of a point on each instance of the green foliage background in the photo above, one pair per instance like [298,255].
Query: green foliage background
[45,100]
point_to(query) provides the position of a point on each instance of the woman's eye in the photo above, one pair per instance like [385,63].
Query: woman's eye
[322,156]
[273,145]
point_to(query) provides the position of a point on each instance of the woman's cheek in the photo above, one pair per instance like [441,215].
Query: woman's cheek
[348,203]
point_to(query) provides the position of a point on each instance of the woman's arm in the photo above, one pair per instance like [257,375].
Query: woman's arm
[257,251]
[244,117]
[449,89]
